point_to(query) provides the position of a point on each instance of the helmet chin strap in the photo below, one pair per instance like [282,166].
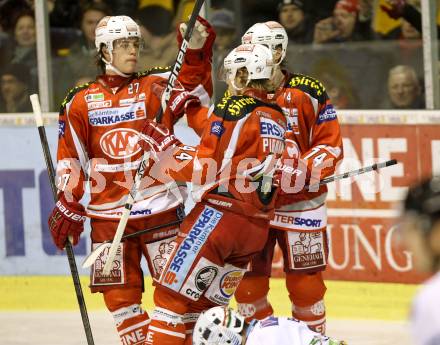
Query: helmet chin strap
[110,67]
[239,88]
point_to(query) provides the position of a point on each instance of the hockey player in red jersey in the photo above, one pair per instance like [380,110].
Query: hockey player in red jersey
[99,124]
[299,224]
[242,136]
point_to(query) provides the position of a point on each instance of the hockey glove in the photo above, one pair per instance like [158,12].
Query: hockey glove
[67,219]
[286,169]
[394,8]
[202,38]
[179,101]
[157,138]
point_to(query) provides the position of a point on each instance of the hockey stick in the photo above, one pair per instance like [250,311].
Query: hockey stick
[142,166]
[91,258]
[69,249]
[352,173]
[98,250]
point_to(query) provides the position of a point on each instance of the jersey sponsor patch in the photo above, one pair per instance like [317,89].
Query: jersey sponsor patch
[292,121]
[270,129]
[100,104]
[217,128]
[200,279]
[159,252]
[117,272]
[272,135]
[128,101]
[112,116]
[301,220]
[234,106]
[223,287]
[185,254]
[306,250]
[61,128]
[326,114]
[120,143]
[308,223]
[94,97]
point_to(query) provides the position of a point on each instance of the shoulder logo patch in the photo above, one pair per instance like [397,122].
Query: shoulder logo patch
[326,114]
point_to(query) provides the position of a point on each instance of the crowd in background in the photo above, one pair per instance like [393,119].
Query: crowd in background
[367,53]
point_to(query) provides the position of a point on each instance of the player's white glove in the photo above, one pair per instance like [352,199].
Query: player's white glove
[198,37]
[203,33]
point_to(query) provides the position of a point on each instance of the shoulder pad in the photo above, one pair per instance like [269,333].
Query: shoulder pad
[308,85]
[153,70]
[233,108]
[72,93]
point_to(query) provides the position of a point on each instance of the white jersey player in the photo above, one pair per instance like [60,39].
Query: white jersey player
[422,235]
[224,326]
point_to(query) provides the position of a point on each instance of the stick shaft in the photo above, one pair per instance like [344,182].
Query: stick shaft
[69,248]
[180,58]
[126,213]
[353,173]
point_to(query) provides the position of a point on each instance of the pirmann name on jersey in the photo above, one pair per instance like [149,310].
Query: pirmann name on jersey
[112,116]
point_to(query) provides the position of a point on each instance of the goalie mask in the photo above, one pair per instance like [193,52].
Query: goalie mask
[257,60]
[112,28]
[218,326]
[271,34]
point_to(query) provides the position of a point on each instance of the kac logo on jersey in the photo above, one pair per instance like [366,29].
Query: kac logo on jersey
[120,143]
[217,128]
[112,116]
[327,114]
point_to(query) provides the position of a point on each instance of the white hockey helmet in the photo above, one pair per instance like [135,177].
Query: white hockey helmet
[111,28]
[218,326]
[269,33]
[255,57]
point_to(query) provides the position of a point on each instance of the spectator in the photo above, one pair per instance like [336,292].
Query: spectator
[9,10]
[24,47]
[223,21]
[64,13]
[343,26]
[14,89]
[397,9]
[339,88]
[404,89]
[295,21]
[81,57]
[160,46]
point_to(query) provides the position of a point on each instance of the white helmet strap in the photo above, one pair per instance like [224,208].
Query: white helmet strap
[235,86]
[110,67]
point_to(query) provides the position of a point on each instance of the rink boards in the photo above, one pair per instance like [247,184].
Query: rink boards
[362,212]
